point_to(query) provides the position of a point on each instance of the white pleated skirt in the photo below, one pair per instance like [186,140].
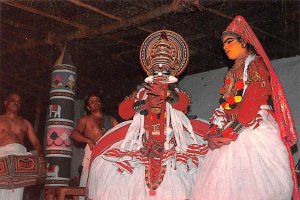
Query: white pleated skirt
[106,183]
[254,167]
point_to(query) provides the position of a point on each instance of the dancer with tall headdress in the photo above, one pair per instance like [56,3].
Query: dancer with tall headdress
[156,155]
[252,131]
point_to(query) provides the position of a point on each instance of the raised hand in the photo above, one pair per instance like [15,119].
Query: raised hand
[157,89]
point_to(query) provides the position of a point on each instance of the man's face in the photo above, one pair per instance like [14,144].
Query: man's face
[233,48]
[13,103]
[94,103]
[161,73]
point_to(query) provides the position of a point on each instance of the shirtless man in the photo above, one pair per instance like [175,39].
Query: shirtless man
[90,129]
[13,130]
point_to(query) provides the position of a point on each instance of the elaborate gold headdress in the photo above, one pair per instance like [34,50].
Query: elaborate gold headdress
[165,49]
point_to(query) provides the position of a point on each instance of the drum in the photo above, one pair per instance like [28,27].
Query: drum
[18,171]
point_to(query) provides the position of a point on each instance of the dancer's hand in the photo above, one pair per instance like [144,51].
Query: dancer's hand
[157,89]
[215,141]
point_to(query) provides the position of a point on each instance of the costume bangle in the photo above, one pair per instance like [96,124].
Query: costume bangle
[236,126]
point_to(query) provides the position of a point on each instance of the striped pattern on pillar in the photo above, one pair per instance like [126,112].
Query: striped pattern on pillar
[60,122]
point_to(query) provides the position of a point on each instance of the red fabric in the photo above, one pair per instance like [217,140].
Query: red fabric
[249,106]
[200,128]
[281,107]
[119,134]
[108,140]
[126,108]
[282,110]
[229,133]
[182,103]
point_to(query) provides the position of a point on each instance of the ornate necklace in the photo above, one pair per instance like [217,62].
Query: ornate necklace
[231,101]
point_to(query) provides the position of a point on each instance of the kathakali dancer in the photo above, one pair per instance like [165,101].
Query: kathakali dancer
[252,131]
[156,155]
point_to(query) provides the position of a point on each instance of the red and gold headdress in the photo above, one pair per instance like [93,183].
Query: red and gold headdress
[283,114]
[286,123]
[165,49]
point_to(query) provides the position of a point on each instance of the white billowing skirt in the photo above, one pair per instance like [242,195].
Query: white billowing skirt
[254,167]
[106,183]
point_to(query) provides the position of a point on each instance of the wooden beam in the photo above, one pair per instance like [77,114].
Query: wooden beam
[17,25]
[96,10]
[103,13]
[44,14]
[41,58]
[49,38]
[114,17]
[52,39]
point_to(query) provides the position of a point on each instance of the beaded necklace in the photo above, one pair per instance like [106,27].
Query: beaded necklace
[231,101]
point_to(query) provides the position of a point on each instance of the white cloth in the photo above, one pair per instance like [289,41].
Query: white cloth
[85,166]
[254,167]
[105,182]
[12,149]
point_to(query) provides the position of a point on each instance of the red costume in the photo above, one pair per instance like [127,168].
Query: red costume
[255,121]
[157,154]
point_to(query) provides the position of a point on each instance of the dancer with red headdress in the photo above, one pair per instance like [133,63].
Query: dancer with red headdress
[156,155]
[252,131]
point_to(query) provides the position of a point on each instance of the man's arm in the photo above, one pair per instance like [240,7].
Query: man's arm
[113,121]
[33,138]
[78,136]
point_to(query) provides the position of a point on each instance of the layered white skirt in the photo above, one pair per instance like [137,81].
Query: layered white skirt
[254,167]
[106,183]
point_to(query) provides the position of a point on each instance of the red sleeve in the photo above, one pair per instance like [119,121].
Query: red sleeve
[126,108]
[257,92]
[182,103]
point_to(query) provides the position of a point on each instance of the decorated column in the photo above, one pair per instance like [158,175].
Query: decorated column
[60,122]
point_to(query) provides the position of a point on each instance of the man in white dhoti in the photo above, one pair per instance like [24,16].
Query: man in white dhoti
[90,129]
[13,130]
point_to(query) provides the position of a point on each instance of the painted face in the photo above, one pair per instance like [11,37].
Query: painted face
[13,103]
[233,48]
[94,103]
[161,73]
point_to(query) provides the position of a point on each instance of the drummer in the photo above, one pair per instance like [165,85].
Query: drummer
[13,130]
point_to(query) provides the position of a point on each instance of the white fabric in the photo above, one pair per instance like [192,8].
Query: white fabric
[12,149]
[85,166]
[245,74]
[86,162]
[105,182]
[87,157]
[254,167]
[179,121]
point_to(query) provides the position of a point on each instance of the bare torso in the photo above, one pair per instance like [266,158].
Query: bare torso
[93,127]
[12,130]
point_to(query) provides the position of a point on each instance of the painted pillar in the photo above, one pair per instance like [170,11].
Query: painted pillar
[60,122]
